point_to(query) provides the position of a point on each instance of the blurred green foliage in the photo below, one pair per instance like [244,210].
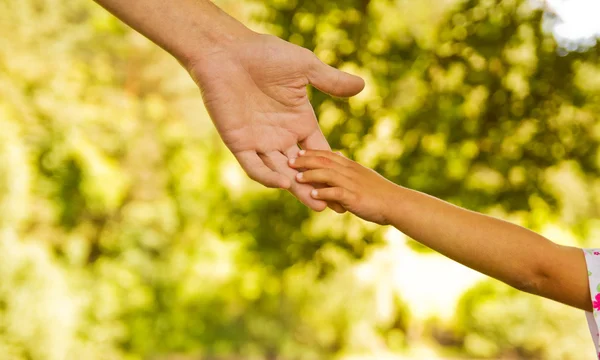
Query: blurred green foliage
[129,232]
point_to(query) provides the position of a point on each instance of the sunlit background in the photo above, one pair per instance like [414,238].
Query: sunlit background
[574,23]
[127,231]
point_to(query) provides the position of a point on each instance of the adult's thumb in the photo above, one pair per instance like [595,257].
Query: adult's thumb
[333,81]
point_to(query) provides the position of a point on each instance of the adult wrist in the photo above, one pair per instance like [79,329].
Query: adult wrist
[220,40]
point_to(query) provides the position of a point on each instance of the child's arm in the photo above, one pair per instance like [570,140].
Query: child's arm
[507,252]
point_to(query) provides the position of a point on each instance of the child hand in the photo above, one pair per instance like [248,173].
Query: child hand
[359,190]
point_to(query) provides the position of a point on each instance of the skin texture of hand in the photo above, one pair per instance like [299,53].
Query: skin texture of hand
[255,92]
[359,190]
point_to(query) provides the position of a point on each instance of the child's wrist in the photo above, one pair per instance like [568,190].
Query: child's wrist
[393,204]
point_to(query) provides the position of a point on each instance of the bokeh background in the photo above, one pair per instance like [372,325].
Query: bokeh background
[128,231]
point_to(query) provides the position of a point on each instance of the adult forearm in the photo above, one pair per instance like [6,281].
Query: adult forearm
[505,251]
[188,29]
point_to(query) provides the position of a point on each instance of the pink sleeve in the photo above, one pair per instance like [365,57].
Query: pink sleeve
[592,259]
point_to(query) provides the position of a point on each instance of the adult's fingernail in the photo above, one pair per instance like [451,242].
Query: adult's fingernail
[301,152]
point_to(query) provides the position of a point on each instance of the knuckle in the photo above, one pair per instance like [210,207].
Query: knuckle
[339,193]
[324,161]
[352,171]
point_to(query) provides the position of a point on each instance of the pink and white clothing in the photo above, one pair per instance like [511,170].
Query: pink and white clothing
[592,259]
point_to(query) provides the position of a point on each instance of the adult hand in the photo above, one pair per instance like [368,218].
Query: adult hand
[254,86]
[255,92]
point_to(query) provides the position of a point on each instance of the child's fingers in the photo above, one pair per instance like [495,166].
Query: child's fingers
[278,162]
[337,194]
[323,176]
[333,156]
[316,162]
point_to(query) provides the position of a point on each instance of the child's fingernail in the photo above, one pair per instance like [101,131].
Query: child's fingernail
[299,176]
[292,161]
[301,152]
[314,193]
